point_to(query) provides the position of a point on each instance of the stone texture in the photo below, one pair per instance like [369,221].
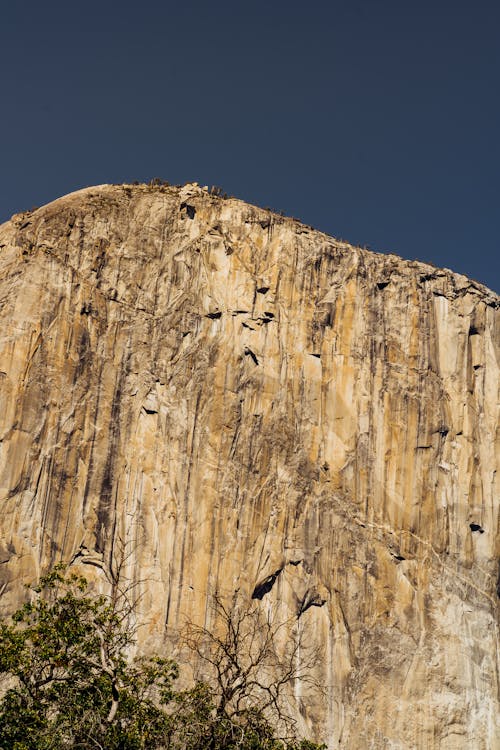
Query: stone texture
[240,401]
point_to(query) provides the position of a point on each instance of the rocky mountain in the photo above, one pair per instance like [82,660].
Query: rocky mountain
[236,402]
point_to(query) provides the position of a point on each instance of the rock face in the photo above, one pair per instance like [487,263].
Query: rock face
[243,403]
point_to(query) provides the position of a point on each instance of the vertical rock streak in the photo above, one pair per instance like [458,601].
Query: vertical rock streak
[228,399]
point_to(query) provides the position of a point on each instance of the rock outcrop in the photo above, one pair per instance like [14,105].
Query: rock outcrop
[243,403]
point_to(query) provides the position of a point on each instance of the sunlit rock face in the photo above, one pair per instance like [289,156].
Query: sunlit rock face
[243,403]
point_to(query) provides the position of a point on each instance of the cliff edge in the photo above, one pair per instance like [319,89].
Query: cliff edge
[243,403]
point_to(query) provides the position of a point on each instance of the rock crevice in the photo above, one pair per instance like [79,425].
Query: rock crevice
[233,401]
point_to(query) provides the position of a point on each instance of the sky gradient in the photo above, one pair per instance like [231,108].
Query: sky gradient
[378,123]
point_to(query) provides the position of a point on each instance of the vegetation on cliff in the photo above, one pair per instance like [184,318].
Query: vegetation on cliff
[72,684]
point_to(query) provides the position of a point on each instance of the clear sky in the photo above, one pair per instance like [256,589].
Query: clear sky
[375,121]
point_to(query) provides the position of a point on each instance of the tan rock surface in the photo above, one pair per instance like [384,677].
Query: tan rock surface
[231,392]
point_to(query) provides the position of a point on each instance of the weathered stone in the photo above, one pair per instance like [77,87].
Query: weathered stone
[241,402]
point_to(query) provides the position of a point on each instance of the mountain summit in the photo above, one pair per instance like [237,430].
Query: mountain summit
[237,403]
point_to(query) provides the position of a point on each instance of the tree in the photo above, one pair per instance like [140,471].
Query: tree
[73,685]
[251,663]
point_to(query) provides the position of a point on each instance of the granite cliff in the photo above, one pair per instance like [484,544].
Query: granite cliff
[244,403]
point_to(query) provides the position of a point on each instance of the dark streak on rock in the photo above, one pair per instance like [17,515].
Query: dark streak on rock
[476,527]
[249,353]
[443,431]
[190,210]
[106,524]
[266,585]
[311,599]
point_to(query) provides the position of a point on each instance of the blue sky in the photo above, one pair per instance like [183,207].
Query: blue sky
[377,122]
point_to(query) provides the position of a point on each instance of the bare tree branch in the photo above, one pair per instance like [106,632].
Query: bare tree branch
[252,662]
